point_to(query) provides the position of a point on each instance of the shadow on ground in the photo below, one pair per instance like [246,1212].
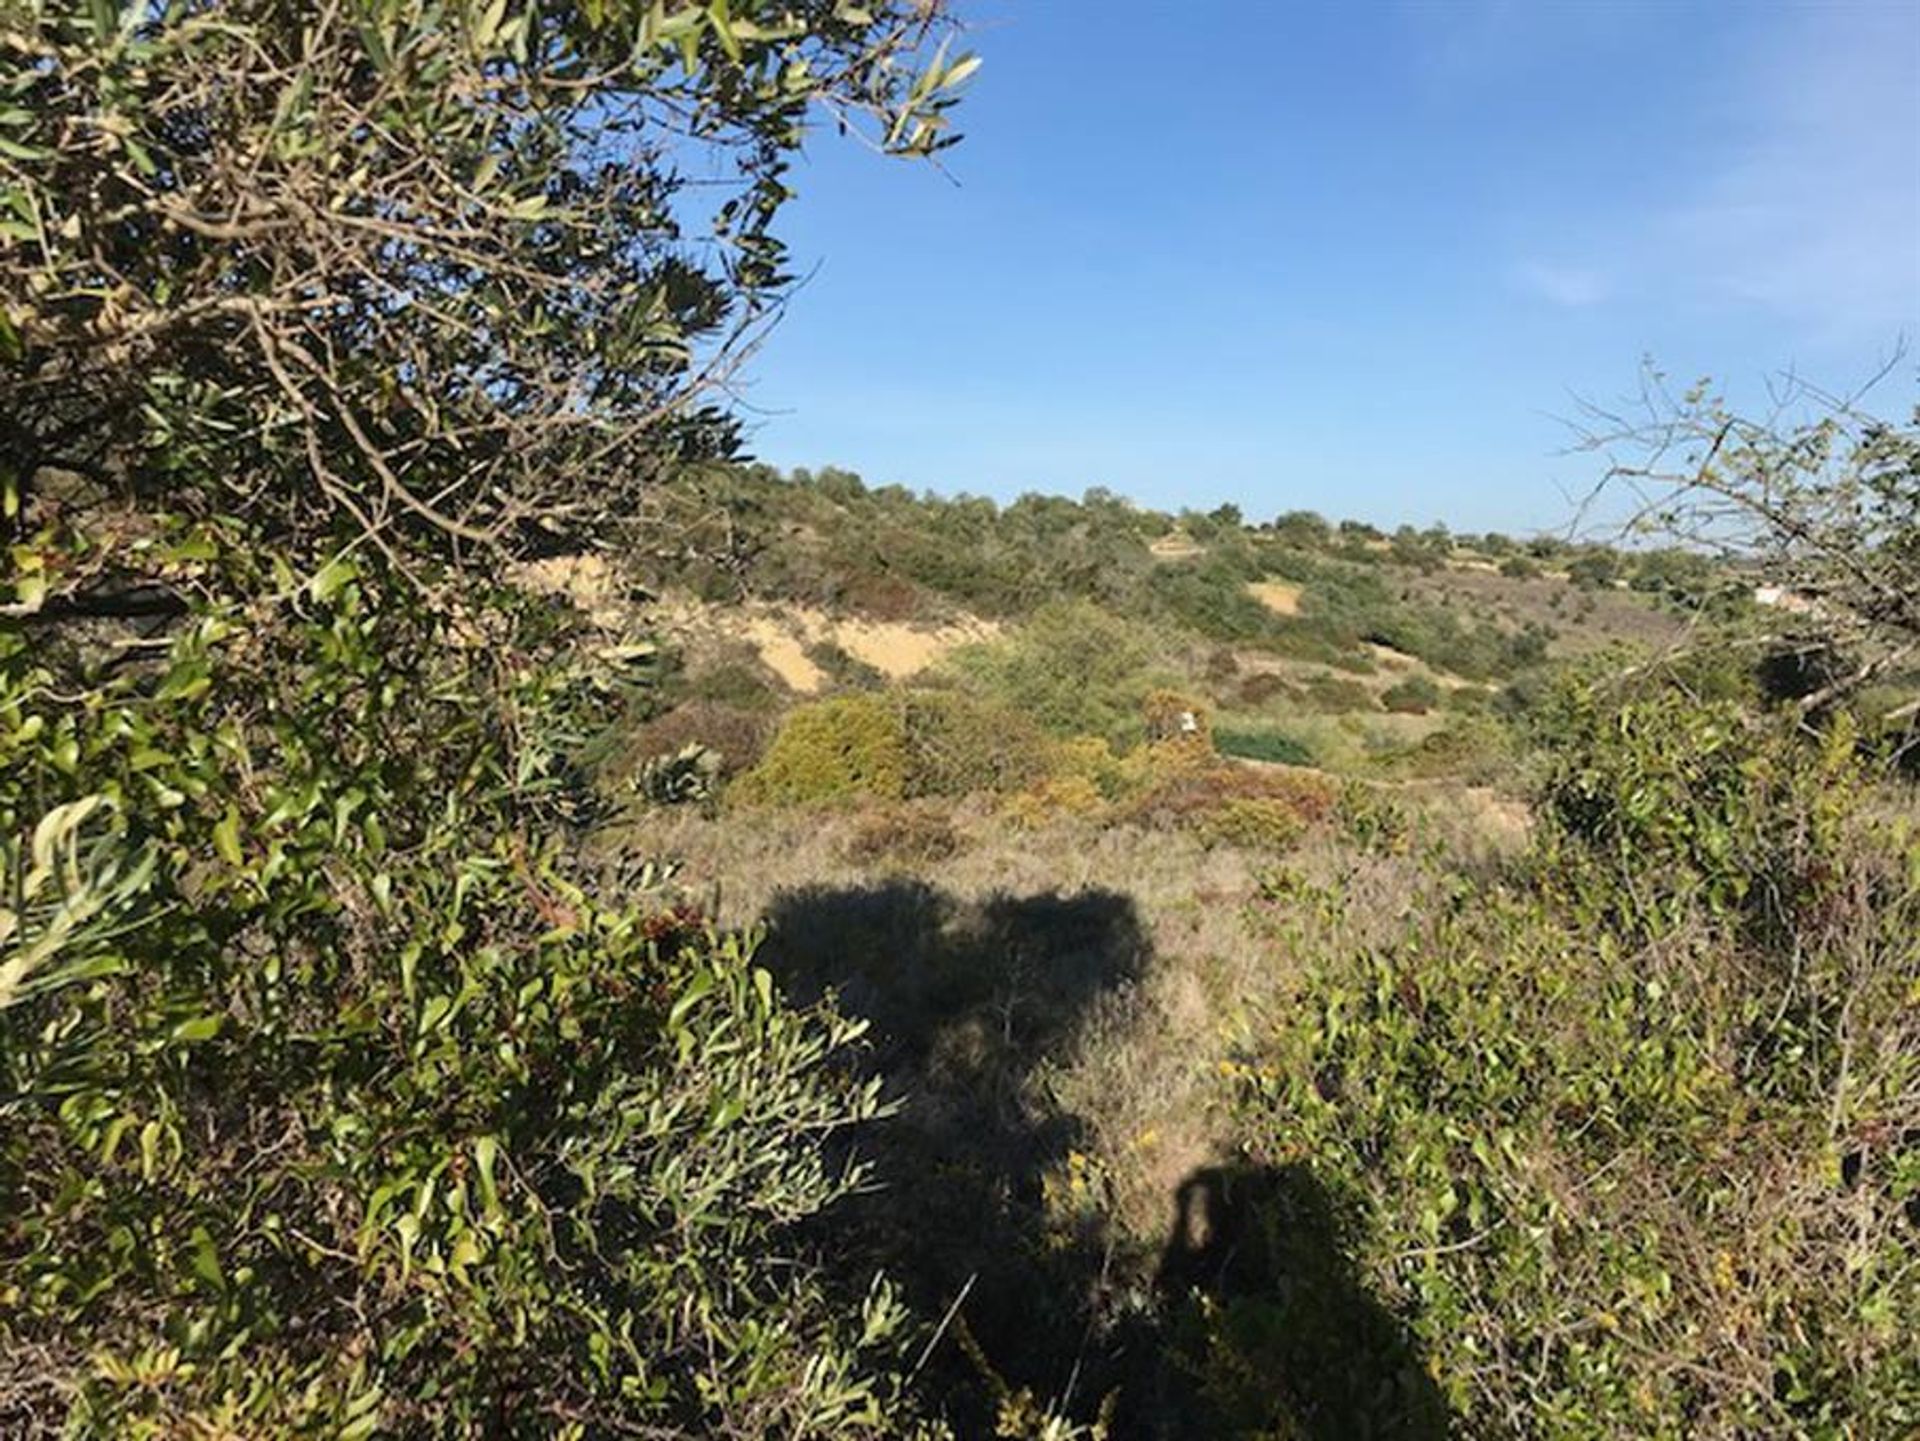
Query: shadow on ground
[1253,1322]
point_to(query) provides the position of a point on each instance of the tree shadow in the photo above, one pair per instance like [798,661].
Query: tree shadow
[1257,1322]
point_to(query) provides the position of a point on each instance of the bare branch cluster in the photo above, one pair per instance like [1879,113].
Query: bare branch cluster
[1815,499]
[461,273]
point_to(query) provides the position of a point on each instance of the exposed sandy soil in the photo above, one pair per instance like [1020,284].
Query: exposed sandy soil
[781,651]
[1276,595]
[586,579]
[1176,546]
[782,636]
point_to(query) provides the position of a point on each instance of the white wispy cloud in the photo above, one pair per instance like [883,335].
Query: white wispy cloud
[1791,188]
[1573,286]
[1813,210]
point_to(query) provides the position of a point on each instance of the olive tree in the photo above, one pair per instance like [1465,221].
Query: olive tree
[466,271]
[337,1096]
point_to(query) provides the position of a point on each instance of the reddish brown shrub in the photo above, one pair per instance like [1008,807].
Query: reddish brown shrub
[737,736]
[909,834]
[1197,799]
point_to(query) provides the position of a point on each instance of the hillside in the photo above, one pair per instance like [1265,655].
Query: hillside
[1083,806]
[1303,641]
[518,923]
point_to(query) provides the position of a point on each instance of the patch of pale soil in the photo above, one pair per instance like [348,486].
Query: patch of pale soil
[782,636]
[1175,546]
[586,579]
[782,652]
[898,651]
[1276,595]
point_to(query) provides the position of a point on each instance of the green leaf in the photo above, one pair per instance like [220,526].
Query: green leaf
[702,984]
[226,838]
[200,1028]
[206,1260]
[330,577]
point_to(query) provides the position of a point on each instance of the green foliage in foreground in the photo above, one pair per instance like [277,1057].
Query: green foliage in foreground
[330,1103]
[1623,1139]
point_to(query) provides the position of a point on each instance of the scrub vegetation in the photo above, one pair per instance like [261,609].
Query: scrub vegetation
[488,948]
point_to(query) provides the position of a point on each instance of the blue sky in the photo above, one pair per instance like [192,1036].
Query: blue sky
[1353,258]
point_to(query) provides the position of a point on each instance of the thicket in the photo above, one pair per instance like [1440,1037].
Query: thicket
[1623,1138]
[337,1097]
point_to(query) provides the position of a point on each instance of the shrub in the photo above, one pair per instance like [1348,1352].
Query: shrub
[1255,823]
[1678,796]
[909,835]
[331,1103]
[844,668]
[734,677]
[1074,669]
[1471,699]
[1471,750]
[685,777]
[1172,718]
[882,597]
[1262,686]
[1616,1179]
[959,744]
[1416,695]
[735,736]
[832,750]
[1331,695]
[1194,796]
[1262,745]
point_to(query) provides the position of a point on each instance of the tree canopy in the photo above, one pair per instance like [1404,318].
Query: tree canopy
[457,271]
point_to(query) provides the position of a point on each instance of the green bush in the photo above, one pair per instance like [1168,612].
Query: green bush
[1472,750]
[1416,695]
[1261,745]
[1616,1170]
[1074,669]
[959,744]
[331,1104]
[845,669]
[1332,695]
[832,750]
[1683,797]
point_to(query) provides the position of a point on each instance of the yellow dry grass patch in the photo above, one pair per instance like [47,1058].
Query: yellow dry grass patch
[1276,595]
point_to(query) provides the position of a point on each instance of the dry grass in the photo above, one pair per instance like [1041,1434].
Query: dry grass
[1276,595]
[1140,1073]
[1584,621]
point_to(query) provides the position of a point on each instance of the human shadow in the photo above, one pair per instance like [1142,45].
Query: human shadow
[968,1000]
[1267,1327]
[1255,1322]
